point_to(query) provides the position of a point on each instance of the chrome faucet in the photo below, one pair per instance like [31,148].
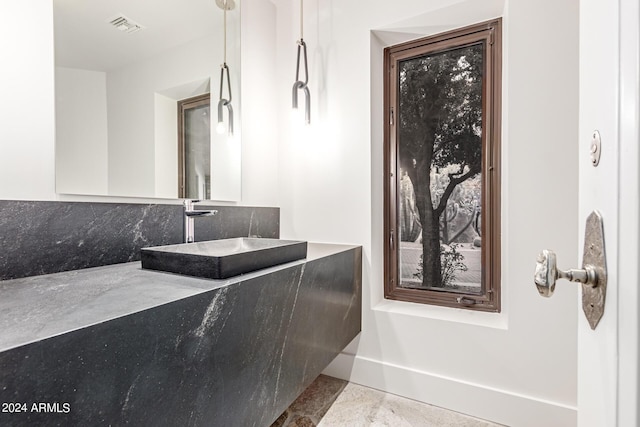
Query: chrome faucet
[189,215]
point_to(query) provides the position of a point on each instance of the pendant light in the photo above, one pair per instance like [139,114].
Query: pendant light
[225,5]
[299,84]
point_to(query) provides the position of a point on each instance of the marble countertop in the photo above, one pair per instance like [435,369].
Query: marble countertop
[39,307]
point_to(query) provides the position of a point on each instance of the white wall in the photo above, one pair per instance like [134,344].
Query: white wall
[260,139]
[165,153]
[81,131]
[131,100]
[517,367]
[27,113]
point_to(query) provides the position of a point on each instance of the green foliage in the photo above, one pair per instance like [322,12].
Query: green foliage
[452,262]
[462,209]
[441,110]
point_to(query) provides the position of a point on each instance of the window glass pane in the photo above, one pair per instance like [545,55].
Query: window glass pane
[439,136]
[197,152]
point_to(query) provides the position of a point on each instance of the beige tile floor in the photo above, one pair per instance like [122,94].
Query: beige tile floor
[330,402]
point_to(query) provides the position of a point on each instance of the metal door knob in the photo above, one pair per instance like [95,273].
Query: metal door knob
[593,274]
[547,273]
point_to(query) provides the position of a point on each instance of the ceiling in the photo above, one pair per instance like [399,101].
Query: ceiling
[85,39]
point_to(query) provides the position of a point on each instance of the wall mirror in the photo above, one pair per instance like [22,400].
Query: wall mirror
[123,69]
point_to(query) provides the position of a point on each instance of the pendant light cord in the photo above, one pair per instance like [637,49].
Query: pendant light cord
[224,69]
[299,84]
[225,32]
[301,22]
[302,45]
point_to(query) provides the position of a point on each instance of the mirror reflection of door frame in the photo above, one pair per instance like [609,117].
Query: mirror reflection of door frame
[184,106]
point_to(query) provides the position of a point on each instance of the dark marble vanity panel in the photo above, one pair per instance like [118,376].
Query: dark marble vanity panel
[48,237]
[234,354]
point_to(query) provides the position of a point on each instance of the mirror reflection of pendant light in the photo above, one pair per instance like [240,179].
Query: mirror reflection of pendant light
[225,5]
[299,84]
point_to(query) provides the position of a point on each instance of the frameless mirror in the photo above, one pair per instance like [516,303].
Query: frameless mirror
[132,111]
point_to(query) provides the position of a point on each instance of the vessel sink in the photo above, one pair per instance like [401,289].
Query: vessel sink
[220,259]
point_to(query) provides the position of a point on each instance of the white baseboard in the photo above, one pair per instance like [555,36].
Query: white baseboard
[480,401]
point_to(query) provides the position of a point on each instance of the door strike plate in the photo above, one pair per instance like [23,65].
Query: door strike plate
[596,148]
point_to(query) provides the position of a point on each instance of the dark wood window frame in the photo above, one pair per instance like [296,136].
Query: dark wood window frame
[489,34]
[183,106]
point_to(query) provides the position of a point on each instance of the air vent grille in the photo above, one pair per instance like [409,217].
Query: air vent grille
[124,24]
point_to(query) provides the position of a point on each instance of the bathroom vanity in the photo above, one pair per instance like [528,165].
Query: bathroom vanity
[118,345]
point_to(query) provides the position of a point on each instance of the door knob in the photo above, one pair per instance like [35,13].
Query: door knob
[547,273]
[592,275]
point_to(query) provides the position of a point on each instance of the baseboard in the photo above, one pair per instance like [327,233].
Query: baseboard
[480,401]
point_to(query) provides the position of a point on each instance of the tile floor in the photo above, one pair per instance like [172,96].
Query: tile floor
[330,402]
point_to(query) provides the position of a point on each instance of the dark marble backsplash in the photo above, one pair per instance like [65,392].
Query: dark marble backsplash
[45,237]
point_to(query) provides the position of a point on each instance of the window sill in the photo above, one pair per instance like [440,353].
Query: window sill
[447,314]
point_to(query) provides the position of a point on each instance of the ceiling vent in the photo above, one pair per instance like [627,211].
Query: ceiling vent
[124,24]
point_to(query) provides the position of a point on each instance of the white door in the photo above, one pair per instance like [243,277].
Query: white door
[608,355]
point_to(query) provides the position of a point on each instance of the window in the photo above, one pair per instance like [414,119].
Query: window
[442,169]
[194,148]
